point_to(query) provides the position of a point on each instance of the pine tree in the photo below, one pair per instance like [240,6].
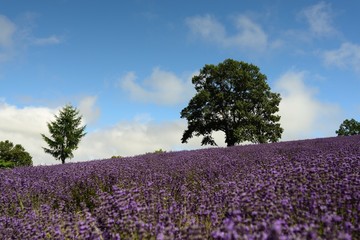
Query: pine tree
[66,134]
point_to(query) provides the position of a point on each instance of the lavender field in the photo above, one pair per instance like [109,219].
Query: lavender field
[292,190]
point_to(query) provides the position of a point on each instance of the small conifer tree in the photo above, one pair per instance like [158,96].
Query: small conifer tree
[66,134]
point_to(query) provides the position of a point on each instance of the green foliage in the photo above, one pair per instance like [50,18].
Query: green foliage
[157,151]
[160,151]
[348,128]
[116,156]
[232,97]
[66,134]
[13,156]
[6,164]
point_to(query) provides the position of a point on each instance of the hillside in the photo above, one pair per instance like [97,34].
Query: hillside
[294,190]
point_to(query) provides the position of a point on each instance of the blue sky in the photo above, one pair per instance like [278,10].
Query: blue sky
[128,66]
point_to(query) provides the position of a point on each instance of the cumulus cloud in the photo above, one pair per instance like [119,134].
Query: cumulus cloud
[319,18]
[302,114]
[126,138]
[347,56]
[162,87]
[25,125]
[88,109]
[129,138]
[249,34]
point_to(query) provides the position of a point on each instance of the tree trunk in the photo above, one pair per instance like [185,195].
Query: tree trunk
[230,139]
[230,144]
[63,161]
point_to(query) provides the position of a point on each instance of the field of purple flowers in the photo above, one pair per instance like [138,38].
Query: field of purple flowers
[292,190]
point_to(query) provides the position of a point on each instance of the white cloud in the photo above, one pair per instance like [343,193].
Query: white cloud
[14,38]
[249,35]
[130,138]
[126,138]
[302,114]
[88,109]
[51,40]
[208,28]
[25,125]
[319,18]
[162,87]
[7,30]
[347,56]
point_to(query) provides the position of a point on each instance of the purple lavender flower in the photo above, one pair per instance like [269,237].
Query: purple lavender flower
[290,190]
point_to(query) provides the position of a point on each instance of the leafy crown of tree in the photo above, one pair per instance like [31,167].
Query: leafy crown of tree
[66,134]
[232,97]
[13,156]
[348,128]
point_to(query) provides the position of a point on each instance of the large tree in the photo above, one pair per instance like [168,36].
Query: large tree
[13,156]
[232,97]
[348,128]
[66,132]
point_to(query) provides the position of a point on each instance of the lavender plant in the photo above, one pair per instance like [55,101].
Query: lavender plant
[291,190]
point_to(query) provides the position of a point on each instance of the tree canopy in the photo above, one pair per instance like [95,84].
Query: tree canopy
[232,97]
[66,134]
[348,128]
[13,156]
